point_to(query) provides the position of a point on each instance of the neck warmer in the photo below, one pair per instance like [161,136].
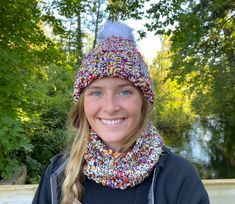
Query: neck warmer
[122,170]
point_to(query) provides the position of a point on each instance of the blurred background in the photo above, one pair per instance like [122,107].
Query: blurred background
[188,46]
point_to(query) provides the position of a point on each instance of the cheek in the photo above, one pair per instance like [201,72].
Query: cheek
[135,107]
[89,108]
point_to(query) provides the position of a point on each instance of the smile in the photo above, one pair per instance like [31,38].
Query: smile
[111,122]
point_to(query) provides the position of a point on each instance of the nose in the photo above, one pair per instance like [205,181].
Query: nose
[111,104]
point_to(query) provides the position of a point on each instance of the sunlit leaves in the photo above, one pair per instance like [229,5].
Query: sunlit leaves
[204,58]
[202,42]
[171,98]
[25,54]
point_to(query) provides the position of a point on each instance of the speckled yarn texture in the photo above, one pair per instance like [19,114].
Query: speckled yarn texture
[115,57]
[122,170]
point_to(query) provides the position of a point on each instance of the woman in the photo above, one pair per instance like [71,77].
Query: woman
[117,155]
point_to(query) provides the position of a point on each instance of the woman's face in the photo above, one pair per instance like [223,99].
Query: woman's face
[113,109]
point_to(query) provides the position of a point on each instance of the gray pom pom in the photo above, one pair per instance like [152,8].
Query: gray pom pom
[116,29]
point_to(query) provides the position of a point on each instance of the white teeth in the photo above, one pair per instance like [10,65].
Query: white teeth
[111,122]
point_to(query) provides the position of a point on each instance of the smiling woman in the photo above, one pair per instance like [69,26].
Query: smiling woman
[117,155]
[113,108]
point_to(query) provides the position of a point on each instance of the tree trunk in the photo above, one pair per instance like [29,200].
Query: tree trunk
[79,35]
[97,23]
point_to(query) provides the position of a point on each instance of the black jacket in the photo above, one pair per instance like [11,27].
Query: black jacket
[173,181]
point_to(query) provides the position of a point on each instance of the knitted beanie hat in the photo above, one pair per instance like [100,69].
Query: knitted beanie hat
[115,56]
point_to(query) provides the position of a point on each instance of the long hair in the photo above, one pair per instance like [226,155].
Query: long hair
[72,188]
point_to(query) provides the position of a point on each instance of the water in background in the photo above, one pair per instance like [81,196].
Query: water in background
[207,145]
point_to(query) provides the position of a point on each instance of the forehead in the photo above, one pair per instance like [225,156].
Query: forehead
[108,81]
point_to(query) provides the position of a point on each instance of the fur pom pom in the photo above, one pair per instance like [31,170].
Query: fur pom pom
[116,29]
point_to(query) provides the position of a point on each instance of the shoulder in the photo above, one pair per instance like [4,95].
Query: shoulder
[55,166]
[43,193]
[179,179]
[171,161]
[178,169]
[56,162]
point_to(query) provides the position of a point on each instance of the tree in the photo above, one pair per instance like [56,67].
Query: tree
[96,13]
[21,41]
[73,22]
[65,19]
[119,9]
[28,56]
[172,107]
[203,45]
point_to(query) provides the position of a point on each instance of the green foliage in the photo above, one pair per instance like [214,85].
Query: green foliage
[35,90]
[19,33]
[202,34]
[47,128]
[76,20]
[119,9]
[172,108]
[203,46]
[12,142]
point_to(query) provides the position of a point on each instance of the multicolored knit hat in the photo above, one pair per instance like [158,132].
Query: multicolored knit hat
[115,56]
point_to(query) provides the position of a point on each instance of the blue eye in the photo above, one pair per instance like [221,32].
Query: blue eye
[96,93]
[125,93]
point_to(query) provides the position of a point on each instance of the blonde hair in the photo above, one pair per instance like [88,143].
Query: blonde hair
[72,188]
